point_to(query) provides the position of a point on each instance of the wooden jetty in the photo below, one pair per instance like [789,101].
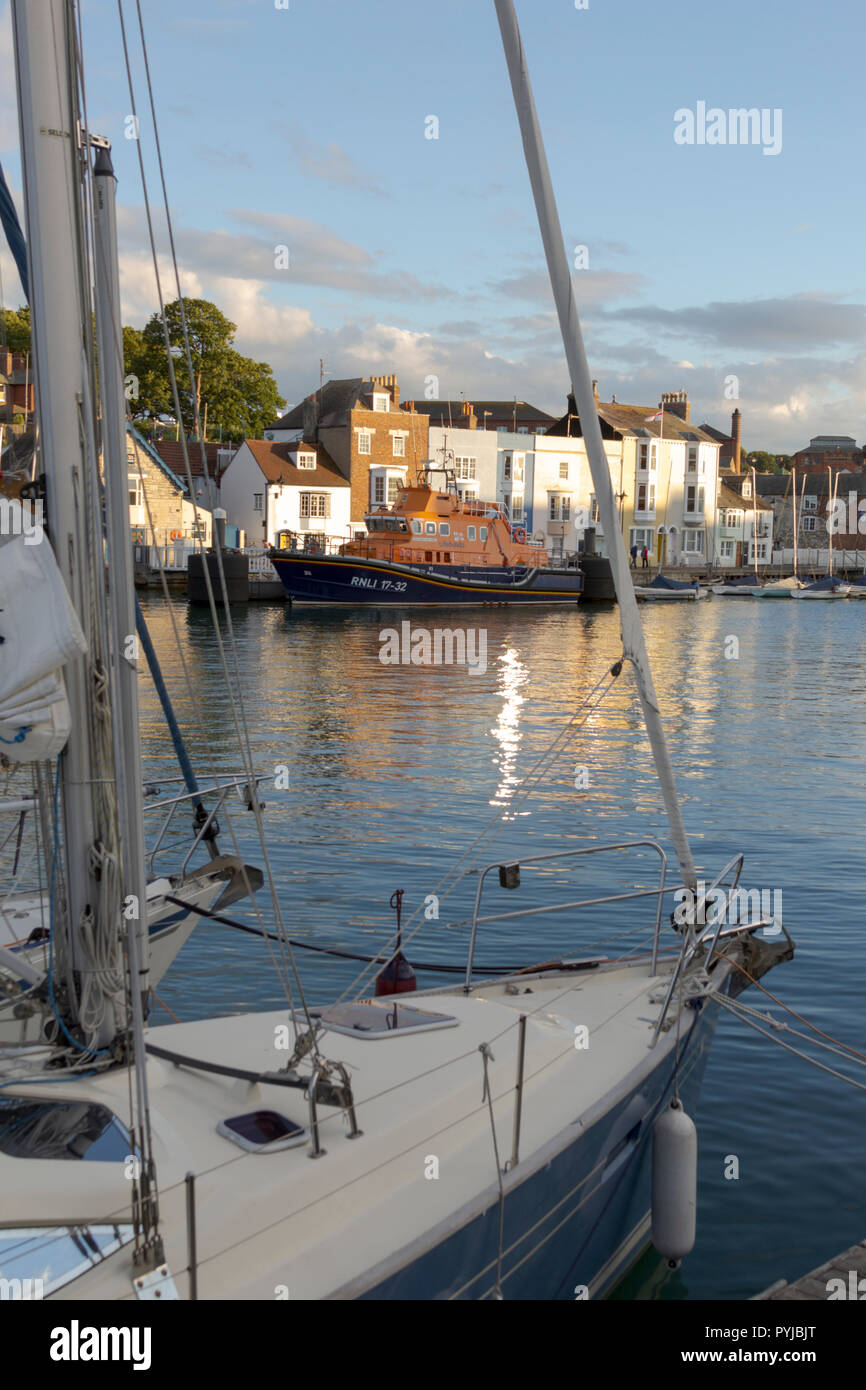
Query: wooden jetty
[848,1270]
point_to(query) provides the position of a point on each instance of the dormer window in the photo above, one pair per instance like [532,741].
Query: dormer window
[306,460]
[381,402]
[747,488]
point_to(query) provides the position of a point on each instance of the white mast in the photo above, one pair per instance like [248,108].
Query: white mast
[794,480]
[560,278]
[127,739]
[43,34]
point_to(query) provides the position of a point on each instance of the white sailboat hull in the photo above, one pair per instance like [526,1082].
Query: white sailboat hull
[410,1209]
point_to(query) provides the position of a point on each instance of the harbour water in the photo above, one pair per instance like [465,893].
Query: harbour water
[393,769]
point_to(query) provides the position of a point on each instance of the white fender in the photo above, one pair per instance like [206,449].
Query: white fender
[674,1183]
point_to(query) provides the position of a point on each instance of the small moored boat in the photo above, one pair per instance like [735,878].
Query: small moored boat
[662,588]
[828,587]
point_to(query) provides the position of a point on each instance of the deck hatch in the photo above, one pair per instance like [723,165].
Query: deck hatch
[373,1018]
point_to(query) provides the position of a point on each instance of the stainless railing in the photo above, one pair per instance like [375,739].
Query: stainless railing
[658,893]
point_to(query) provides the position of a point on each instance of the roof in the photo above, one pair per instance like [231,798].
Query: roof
[730,500]
[275,461]
[718,435]
[452,411]
[817,484]
[171,453]
[635,420]
[336,399]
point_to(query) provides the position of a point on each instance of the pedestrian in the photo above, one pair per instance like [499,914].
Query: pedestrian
[644,556]
[633,554]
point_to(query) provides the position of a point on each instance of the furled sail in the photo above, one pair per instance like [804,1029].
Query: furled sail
[39,632]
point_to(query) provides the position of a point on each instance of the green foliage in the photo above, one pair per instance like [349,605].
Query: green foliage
[763,462]
[15,328]
[237,395]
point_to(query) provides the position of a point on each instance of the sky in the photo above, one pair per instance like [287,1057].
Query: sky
[715,268]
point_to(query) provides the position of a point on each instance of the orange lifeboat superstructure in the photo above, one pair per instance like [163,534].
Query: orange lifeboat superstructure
[427,526]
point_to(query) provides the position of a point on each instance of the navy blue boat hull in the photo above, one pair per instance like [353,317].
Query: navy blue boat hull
[349,581]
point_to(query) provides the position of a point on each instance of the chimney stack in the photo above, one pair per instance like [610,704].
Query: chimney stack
[736,421]
[311,419]
[595,391]
[676,403]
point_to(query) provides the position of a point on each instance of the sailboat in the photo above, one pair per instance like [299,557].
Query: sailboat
[830,587]
[486,1139]
[783,588]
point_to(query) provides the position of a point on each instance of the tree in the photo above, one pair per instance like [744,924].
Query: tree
[763,462]
[15,328]
[228,393]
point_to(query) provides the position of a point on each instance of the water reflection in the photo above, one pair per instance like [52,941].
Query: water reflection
[513,675]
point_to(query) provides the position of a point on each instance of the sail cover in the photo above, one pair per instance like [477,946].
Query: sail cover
[39,633]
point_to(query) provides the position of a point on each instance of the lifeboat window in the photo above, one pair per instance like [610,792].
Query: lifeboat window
[416,526]
[391,524]
[484,533]
[470,533]
[428,556]
[444,528]
[430,528]
[446,556]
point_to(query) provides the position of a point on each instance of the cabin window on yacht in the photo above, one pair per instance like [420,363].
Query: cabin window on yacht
[470,533]
[258,498]
[306,460]
[33,1127]
[726,550]
[416,526]
[693,542]
[563,469]
[444,528]
[465,466]
[315,504]
[429,528]
[399,446]
[364,439]
[483,533]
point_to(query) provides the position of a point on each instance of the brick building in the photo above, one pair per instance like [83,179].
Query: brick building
[825,451]
[17,396]
[372,441]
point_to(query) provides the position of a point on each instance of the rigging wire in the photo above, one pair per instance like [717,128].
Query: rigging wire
[236,705]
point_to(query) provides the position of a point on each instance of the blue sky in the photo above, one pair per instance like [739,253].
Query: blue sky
[305,127]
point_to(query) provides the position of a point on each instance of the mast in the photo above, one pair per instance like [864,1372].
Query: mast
[51,163]
[634,647]
[124,668]
[755,523]
[794,477]
[831,493]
